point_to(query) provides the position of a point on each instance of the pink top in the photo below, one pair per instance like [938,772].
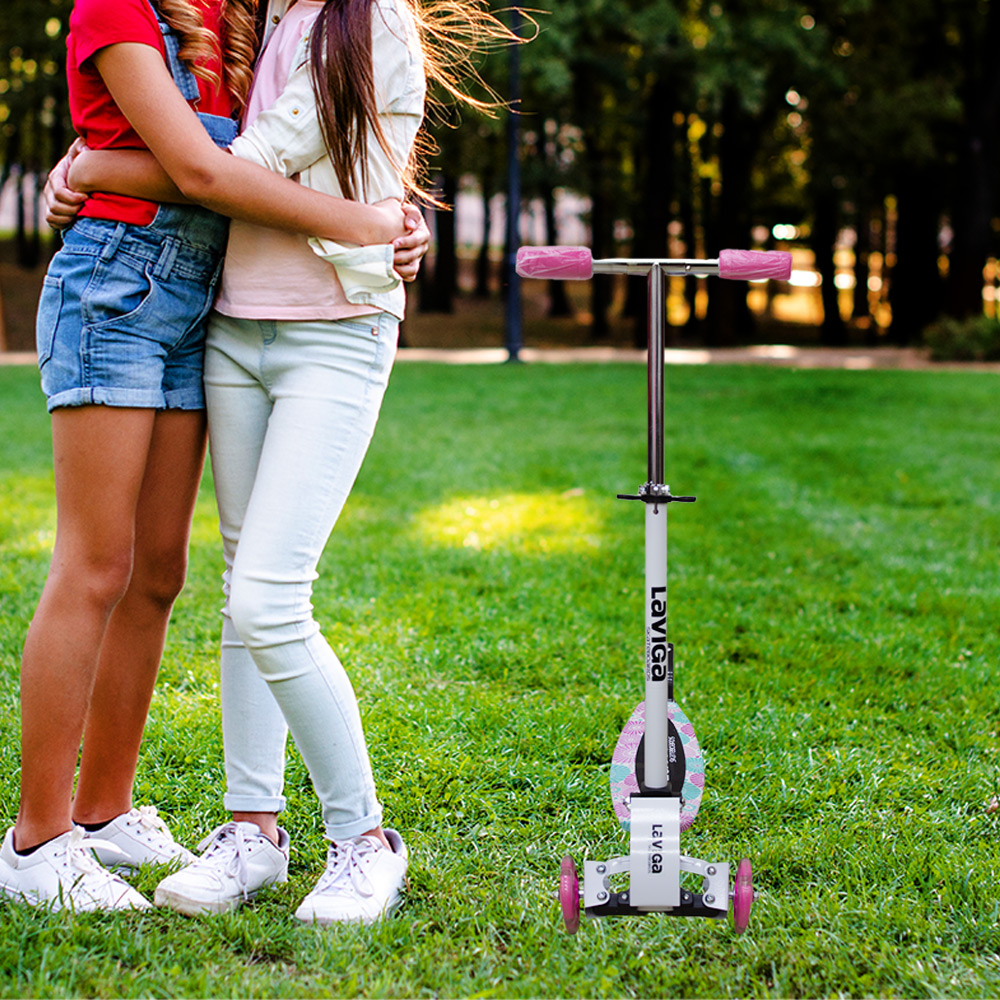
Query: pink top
[271,274]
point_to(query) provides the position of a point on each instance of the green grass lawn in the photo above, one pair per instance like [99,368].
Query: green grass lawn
[835,595]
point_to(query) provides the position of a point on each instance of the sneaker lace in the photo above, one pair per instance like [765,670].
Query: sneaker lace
[79,856]
[146,818]
[344,870]
[227,852]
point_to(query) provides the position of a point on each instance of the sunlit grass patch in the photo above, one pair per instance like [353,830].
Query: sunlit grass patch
[526,523]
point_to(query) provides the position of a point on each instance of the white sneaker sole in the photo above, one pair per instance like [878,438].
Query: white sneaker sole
[34,898]
[199,907]
[308,916]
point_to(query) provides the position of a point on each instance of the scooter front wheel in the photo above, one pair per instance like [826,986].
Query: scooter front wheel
[742,896]
[569,894]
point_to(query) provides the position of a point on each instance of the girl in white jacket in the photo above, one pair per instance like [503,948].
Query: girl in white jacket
[299,352]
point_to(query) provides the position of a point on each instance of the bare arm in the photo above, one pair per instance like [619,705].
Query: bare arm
[141,86]
[139,174]
[131,172]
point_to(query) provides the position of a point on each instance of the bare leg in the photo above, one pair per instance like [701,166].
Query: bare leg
[99,456]
[133,644]
[268,823]
[379,833]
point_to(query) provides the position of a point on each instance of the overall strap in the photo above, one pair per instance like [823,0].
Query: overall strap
[186,82]
[222,130]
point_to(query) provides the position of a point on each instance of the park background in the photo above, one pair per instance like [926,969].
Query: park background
[861,136]
[834,592]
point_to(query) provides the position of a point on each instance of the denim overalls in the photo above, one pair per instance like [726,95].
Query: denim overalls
[121,318]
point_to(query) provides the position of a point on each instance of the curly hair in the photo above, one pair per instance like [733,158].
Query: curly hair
[236,50]
[240,43]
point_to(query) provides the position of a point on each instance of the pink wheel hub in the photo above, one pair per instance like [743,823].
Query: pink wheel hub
[742,896]
[569,894]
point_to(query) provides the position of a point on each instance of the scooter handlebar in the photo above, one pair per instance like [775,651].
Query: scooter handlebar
[577,264]
[747,265]
[563,263]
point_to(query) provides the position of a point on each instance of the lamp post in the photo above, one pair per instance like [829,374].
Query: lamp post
[512,313]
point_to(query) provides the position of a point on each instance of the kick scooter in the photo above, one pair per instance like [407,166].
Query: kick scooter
[657,772]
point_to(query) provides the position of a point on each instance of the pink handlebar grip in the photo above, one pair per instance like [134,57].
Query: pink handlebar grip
[567,263]
[746,265]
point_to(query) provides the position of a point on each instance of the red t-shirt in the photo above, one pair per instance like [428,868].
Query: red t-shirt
[95,24]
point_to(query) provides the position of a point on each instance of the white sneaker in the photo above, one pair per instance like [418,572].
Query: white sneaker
[238,861]
[361,884]
[65,874]
[141,838]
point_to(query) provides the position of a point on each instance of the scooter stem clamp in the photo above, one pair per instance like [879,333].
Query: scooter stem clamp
[655,493]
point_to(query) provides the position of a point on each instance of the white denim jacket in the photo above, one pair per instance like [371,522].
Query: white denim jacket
[287,139]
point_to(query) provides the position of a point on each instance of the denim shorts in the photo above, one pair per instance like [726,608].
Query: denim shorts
[122,314]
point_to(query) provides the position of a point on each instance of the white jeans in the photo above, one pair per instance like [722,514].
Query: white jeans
[291,407]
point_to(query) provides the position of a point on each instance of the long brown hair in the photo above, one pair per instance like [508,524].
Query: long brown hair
[236,49]
[451,34]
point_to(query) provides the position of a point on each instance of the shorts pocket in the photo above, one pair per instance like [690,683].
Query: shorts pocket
[50,304]
[118,295]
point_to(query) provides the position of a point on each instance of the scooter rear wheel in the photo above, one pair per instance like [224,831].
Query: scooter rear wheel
[742,896]
[569,894]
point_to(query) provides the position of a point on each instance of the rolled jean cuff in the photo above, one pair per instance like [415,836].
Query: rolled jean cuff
[344,831]
[255,804]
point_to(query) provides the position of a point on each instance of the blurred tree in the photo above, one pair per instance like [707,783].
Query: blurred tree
[750,54]
[554,151]
[34,112]
[661,84]
[974,34]
[881,105]
[903,109]
[594,37]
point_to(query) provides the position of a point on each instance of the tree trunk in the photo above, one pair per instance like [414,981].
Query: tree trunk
[972,213]
[482,289]
[586,97]
[558,298]
[915,293]
[824,236]
[729,318]
[651,215]
[29,243]
[439,290]
[971,218]
[688,226]
[602,232]
[860,309]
